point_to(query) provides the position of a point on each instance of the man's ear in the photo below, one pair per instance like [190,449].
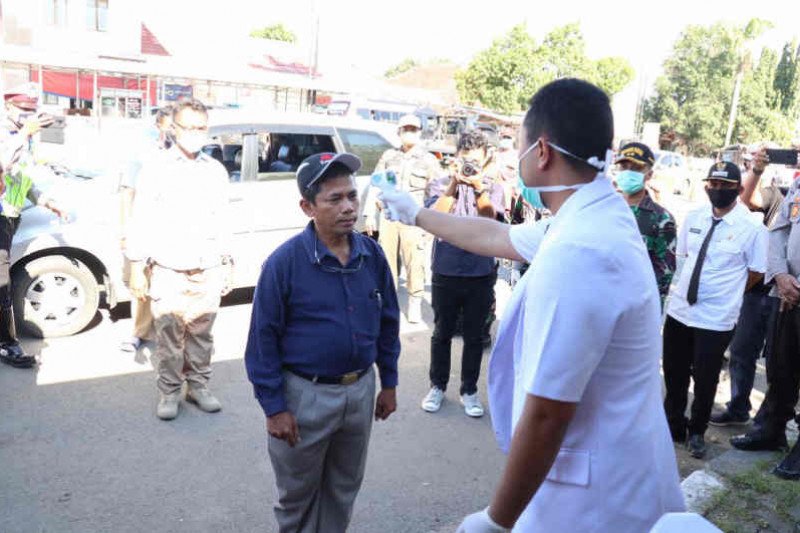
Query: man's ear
[308,208]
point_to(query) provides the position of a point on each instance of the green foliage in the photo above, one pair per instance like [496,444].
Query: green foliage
[276,32]
[403,66]
[506,75]
[692,99]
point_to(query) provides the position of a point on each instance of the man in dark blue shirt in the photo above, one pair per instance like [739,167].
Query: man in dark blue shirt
[463,283]
[325,313]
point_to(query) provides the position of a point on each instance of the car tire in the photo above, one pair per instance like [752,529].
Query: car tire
[39,312]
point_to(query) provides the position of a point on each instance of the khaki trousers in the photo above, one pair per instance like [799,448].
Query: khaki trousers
[140,310]
[408,243]
[318,480]
[184,305]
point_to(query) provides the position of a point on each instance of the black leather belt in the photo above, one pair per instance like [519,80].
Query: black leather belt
[344,379]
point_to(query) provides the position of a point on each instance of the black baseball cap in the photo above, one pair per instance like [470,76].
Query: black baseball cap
[637,153]
[314,167]
[724,171]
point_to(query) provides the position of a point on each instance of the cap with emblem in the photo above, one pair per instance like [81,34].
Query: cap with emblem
[24,96]
[724,171]
[409,121]
[314,167]
[638,153]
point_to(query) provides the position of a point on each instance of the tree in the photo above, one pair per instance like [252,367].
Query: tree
[692,100]
[505,75]
[403,66]
[787,78]
[276,32]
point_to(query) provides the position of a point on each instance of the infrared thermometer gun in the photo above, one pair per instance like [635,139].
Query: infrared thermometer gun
[386,181]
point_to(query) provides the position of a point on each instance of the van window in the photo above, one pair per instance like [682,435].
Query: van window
[367,145]
[281,153]
[228,150]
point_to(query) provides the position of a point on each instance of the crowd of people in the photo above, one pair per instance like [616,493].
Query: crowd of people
[595,261]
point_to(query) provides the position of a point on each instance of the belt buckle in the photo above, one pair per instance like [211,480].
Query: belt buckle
[349,378]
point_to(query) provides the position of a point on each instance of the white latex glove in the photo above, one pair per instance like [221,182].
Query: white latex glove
[481,523]
[400,206]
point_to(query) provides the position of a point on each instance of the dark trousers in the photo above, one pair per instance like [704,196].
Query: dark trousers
[696,353]
[754,333]
[783,373]
[451,296]
[8,227]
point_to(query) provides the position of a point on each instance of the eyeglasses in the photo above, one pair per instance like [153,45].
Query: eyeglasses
[335,269]
[195,128]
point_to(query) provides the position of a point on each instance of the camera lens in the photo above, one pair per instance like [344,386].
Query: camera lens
[469,169]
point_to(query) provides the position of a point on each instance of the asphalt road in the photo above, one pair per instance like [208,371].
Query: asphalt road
[82,451]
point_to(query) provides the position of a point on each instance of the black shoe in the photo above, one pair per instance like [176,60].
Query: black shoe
[11,353]
[790,466]
[725,418]
[697,446]
[759,441]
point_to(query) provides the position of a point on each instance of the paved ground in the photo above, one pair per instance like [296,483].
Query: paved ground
[81,450]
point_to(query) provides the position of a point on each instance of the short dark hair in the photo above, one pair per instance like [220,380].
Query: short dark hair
[335,170]
[473,140]
[190,103]
[163,112]
[575,115]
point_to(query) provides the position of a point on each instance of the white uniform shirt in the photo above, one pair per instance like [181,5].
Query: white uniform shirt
[583,326]
[739,244]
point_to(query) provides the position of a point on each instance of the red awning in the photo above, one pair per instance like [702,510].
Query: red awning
[66,84]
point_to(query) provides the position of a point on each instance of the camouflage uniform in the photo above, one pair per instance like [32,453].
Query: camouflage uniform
[657,227]
[414,169]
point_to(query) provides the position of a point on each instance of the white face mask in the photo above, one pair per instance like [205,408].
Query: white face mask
[410,138]
[193,141]
[507,144]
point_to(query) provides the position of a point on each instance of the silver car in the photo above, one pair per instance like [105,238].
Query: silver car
[63,272]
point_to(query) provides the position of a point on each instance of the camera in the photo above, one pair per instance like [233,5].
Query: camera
[470,169]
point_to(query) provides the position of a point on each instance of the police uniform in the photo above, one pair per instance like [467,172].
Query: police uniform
[592,340]
[414,168]
[783,366]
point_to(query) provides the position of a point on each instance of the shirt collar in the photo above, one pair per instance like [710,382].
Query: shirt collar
[647,203]
[586,195]
[178,155]
[311,243]
[731,217]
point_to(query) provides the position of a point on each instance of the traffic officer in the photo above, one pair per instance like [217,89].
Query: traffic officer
[17,133]
[783,365]
[415,168]
[177,243]
[656,224]
[575,391]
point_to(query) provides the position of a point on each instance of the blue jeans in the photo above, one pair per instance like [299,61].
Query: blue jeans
[754,333]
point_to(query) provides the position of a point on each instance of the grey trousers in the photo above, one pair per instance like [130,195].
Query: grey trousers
[318,480]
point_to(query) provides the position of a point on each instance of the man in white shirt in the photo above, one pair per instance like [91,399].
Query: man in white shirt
[725,252]
[575,391]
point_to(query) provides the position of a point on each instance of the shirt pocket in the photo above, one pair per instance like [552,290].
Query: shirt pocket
[571,467]
[367,323]
[418,177]
[726,255]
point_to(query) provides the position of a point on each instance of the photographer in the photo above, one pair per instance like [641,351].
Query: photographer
[462,281]
[16,158]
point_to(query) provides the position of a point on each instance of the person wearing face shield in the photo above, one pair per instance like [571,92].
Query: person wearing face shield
[415,167]
[725,254]
[656,224]
[574,386]
[177,242]
[17,135]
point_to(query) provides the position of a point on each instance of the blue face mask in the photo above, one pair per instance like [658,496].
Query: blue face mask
[529,194]
[630,181]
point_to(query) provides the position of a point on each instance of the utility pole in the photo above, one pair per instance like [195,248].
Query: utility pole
[737,89]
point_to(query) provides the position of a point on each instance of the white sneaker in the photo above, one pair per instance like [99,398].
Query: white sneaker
[472,405]
[433,400]
[414,313]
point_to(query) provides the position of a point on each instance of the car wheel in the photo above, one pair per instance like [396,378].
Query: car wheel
[54,296]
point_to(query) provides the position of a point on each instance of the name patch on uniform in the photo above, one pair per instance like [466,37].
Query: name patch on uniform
[695,230]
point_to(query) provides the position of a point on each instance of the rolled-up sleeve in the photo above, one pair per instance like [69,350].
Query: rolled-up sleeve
[757,254]
[526,238]
[389,338]
[267,325]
